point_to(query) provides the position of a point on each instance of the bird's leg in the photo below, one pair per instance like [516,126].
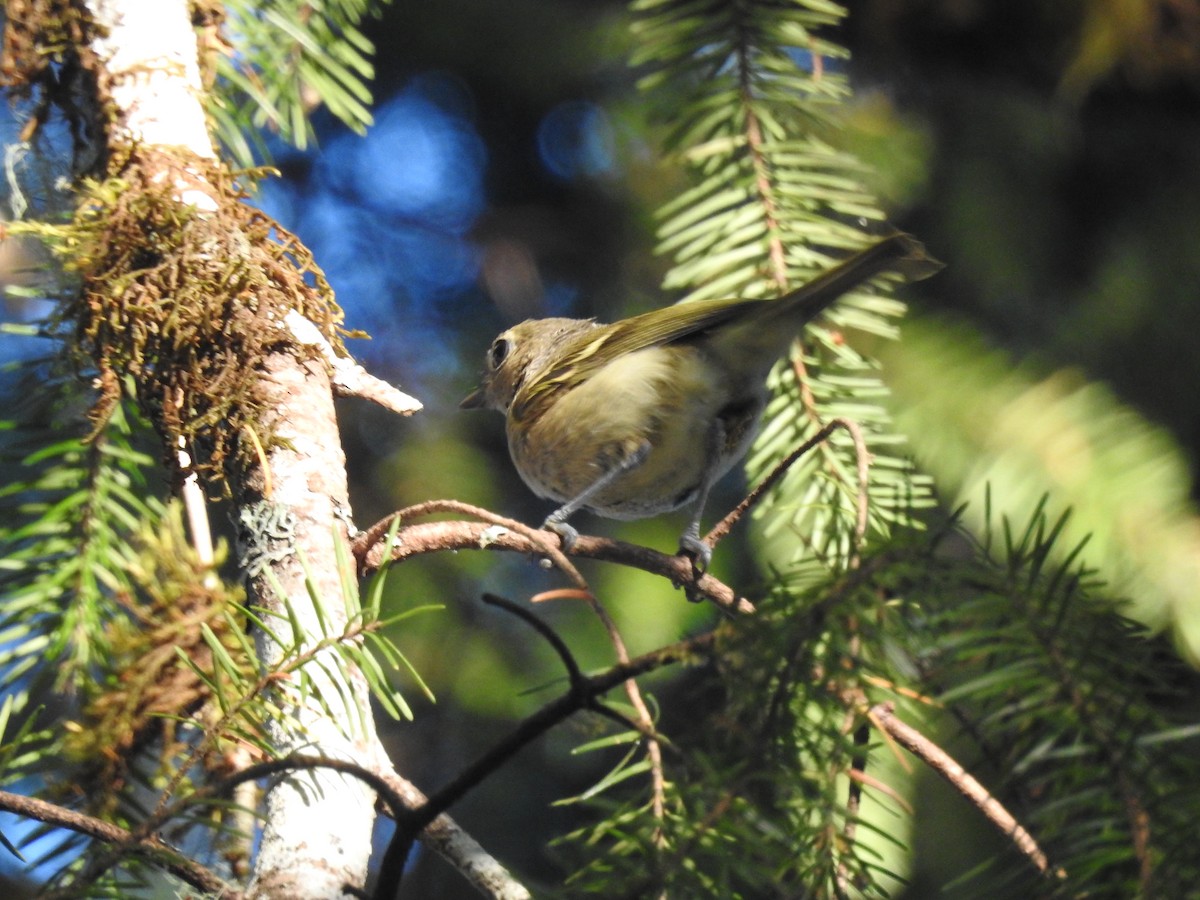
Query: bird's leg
[557,520]
[689,542]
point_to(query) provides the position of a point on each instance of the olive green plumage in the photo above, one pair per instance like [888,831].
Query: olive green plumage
[644,415]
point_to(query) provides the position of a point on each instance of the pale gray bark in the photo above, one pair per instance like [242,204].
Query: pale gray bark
[293,506]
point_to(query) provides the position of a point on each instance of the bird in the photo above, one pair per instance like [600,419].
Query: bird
[642,416]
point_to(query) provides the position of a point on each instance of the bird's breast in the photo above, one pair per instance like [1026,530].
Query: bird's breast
[667,397]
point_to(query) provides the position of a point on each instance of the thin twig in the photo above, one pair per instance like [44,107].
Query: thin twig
[807,401]
[560,647]
[868,780]
[581,696]
[862,459]
[574,674]
[148,846]
[883,715]
[857,776]
[559,594]
[645,721]
[722,528]
[650,734]
[776,251]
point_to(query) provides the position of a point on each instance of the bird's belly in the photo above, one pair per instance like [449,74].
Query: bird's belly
[668,403]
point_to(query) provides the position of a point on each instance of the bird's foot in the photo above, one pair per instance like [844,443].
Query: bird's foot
[567,535]
[699,552]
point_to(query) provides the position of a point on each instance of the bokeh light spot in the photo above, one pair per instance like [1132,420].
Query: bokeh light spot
[575,139]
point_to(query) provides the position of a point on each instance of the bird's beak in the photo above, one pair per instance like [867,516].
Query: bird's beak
[473,400]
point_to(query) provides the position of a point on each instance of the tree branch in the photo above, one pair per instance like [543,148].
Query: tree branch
[349,379]
[884,717]
[546,542]
[574,675]
[506,535]
[122,840]
[400,797]
[582,695]
[722,528]
[644,724]
[446,838]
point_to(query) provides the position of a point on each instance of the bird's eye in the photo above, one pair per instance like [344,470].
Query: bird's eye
[498,353]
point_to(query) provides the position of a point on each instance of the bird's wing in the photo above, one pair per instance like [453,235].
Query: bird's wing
[589,352]
[586,354]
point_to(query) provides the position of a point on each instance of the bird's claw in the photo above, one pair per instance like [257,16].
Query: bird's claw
[567,535]
[700,553]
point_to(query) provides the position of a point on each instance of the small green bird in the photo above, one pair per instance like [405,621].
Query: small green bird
[643,416]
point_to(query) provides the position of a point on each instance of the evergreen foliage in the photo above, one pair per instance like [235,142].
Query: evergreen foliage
[1082,721]
[1026,434]
[107,604]
[1079,716]
[289,57]
[1079,721]
[68,525]
[751,93]
[750,96]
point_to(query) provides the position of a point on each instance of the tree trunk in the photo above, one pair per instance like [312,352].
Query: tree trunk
[292,504]
[317,834]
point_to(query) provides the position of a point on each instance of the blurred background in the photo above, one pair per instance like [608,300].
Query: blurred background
[1047,150]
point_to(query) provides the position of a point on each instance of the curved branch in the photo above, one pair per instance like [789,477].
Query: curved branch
[644,723]
[432,537]
[402,800]
[883,716]
[546,542]
[447,838]
[574,674]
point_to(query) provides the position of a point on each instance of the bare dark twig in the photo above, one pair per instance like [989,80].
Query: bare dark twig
[857,773]
[574,674]
[645,722]
[551,636]
[582,695]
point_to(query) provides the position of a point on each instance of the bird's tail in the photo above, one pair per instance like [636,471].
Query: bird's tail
[900,253]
